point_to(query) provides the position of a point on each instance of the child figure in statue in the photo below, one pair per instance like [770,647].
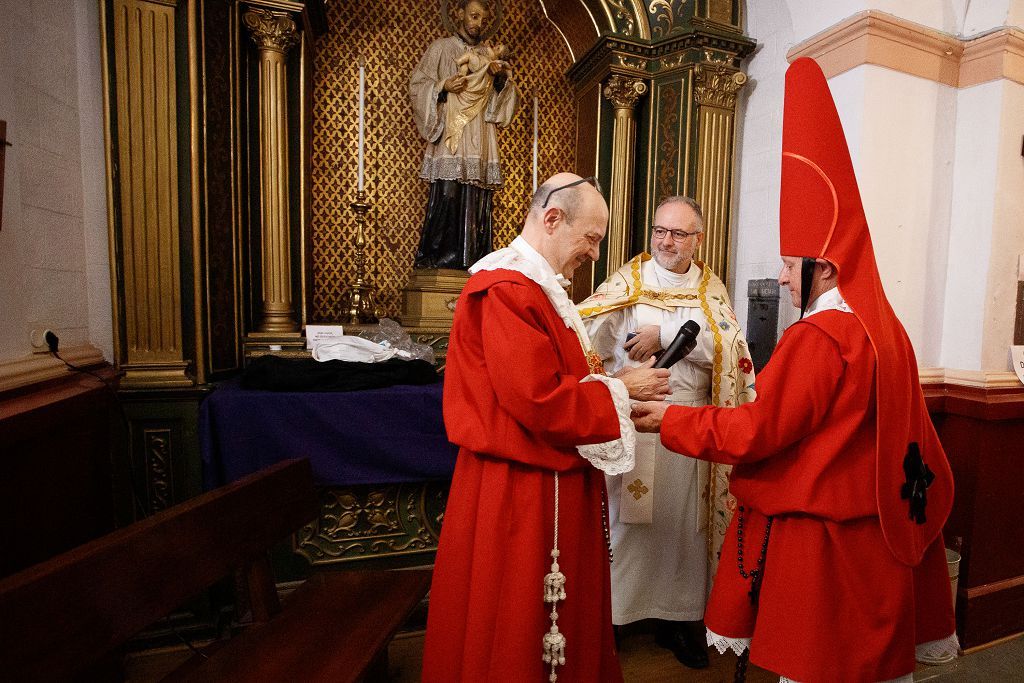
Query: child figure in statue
[475,65]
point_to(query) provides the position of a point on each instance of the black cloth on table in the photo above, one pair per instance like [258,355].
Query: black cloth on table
[274,373]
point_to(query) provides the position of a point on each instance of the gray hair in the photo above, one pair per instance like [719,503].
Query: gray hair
[569,200]
[688,201]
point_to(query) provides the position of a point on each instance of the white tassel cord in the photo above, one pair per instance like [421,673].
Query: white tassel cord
[554,591]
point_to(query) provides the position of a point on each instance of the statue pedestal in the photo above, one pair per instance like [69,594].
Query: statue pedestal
[428,306]
[289,344]
[428,301]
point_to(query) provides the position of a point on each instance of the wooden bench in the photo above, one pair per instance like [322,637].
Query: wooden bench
[63,617]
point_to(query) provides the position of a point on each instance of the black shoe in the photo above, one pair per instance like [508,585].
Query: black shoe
[682,638]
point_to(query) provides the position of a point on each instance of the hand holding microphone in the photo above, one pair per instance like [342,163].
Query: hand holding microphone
[685,341]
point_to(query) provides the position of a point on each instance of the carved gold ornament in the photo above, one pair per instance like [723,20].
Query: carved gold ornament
[624,91]
[716,85]
[271,30]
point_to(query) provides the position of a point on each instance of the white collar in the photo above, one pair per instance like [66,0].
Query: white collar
[523,258]
[527,251]
[612,457]
[831,300]
[669,278]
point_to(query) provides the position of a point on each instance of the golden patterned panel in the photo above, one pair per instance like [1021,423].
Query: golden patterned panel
[392,42]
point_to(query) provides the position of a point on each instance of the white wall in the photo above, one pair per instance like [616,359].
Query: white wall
[939,171]
[1007,234]
[54,223]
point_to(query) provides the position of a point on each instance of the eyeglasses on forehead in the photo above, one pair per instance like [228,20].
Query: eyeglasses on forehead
[592,180]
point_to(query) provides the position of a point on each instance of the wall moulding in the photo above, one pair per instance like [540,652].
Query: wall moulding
[615,55]
[873,37]
[41,367]
[975,379]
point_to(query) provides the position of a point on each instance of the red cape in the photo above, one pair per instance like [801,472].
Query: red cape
[514,404]
[821,216]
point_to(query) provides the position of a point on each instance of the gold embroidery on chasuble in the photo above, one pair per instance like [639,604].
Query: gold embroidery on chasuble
[638,489]
[732,380]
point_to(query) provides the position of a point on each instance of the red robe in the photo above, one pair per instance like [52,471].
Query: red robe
[835,604]
[514,404]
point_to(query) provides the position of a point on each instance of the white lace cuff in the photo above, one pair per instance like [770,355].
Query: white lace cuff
[941,651]
[723,643]
[618,456]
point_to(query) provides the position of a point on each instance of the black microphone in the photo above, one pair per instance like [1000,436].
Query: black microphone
[684,342]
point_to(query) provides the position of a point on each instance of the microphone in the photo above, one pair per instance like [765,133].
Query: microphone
[684,342]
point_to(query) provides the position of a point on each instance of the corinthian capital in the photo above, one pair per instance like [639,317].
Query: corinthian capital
[624,91]
[271,30]
[716,85]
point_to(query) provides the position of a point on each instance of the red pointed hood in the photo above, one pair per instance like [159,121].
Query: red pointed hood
[821,216]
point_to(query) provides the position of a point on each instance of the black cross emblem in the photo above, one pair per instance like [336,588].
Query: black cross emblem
[919,478]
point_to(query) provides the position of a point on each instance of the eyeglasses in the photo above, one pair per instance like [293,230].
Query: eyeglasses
[677,235]
[592,180]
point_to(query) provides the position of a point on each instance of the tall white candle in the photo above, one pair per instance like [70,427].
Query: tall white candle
[362,99]
[534,143]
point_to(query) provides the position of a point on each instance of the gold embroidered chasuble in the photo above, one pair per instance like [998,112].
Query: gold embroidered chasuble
[732,370]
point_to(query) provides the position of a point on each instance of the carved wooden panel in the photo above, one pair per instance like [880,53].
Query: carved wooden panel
[360,522]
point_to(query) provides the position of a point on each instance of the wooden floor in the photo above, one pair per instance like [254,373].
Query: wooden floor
[642,660]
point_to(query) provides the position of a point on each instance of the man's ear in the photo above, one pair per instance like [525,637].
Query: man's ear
[827,269]
[552,217]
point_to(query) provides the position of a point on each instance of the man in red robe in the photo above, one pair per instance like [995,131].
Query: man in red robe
[833,567]
[521,583]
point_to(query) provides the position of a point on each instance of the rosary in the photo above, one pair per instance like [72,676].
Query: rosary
[757,573]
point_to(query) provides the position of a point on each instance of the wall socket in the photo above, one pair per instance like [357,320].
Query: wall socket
[38,340]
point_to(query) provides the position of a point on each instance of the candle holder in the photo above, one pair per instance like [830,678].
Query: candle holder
[359,305]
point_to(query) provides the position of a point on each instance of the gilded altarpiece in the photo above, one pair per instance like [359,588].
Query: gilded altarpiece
[642,94]
[392,38]
[684,58]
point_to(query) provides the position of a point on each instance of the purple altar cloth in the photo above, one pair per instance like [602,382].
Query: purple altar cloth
[378,436]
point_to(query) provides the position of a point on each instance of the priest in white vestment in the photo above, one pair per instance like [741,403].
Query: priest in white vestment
[668,516]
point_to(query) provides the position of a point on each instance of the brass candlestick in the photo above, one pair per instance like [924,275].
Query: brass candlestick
[359,306]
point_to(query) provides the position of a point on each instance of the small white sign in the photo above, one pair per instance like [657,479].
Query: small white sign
[1017,361]
[323,334]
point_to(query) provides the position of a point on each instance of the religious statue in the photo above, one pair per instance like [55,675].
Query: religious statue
[461,93]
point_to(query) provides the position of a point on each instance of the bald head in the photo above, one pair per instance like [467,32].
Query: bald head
[568,219]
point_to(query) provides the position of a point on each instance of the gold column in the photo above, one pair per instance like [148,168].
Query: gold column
[623,93]
[715,88]
[147,183]
[274,33]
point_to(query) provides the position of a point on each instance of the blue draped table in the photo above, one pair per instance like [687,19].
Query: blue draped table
[379,436]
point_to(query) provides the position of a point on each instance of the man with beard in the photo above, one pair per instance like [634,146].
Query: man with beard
[462,166]
[669,514]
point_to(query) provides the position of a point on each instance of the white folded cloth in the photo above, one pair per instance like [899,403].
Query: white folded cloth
[356,349]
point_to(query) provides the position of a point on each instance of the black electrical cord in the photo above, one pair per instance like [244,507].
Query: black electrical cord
[52,343]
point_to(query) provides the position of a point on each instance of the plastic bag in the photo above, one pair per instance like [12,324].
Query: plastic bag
[390,334]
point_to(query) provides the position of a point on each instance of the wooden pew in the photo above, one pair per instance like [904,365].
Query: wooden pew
[61,618]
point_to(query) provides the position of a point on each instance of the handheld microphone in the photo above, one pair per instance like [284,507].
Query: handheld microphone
[685,341]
